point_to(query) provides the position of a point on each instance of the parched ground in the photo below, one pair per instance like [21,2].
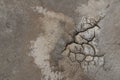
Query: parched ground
[59,40]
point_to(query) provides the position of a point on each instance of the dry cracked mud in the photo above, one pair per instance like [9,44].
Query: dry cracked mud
[59,39]
[81,49]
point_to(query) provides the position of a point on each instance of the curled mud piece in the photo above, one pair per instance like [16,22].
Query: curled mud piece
[81,49]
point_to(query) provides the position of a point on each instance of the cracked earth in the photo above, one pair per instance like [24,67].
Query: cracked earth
[82,49]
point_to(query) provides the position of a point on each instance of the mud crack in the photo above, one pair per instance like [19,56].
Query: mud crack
[81,49]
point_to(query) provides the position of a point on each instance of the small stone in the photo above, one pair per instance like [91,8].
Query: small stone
[89,58]
[80,57]
[88,49]
[72,57]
